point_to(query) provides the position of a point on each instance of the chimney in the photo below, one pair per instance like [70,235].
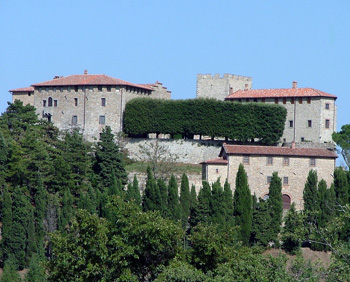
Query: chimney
[85,72]
[246,87]
[295,84]
[293,144]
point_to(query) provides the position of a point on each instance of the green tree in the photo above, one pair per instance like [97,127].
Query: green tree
[36,271]
[133,192]
[173,199]
[184,200]
[342,138]
[310,192]
[7,223]
[228,204]
[10,273]
[151,196]
[200,211]
[261,232]
[163,191]
[217,204]
[40,200]
[341,186]
[67,209]
[242,203]
[275,205]
[109,159]
[193,196]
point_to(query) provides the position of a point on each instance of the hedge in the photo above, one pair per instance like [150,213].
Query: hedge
[208,117]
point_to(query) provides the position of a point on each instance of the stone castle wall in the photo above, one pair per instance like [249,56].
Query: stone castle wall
[219,87]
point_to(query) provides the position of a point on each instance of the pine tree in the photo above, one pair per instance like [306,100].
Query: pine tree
[275,205]
[173,199]
[7,223]
[242,203]
[91,200]
[67,209]
[109,159]
[184,200]
[310,192]
[40,200]
[3,158]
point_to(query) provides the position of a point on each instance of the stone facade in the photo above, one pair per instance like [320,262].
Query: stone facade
[292,165]
[87,102]
[219,87]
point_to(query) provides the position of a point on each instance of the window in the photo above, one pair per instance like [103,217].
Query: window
[300,100]
[247,99]
[268,179]
[246,160]
[50,102]
[39,89]
[44,103]
[76,102]
[284,100]
[61,89]
[327,106]
[309,123]
[263,100]
[285,180]
[99,88]
[239,100]
[276,100]
[308,100]
[102,120]
[302,139]
[217,170]
[55,103]
[54,89]
[103,102]
[109,89]
[292,100]
[327,123]
[286,161]
[255,100]
[269,161]
[312,162]
[291,124]
[76,88]
[74,120]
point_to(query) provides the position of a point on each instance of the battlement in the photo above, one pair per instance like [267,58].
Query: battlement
[224,76]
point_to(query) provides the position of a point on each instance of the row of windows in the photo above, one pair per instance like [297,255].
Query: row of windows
[75,88]
[51,102]
[269,161]
[283,100]
[285,180]
[101,120]
[309,123]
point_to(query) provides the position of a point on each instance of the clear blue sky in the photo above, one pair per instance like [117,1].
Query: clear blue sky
[275,42]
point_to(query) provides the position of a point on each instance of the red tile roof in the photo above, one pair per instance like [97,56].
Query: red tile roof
[216,161]
[24,89]
[278,151]
[279,93]
[89,79]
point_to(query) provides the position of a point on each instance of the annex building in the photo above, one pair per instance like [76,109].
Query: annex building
[86,101]
[292,164]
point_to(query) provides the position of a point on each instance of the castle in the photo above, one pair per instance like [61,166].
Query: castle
[307,138]
[87,101]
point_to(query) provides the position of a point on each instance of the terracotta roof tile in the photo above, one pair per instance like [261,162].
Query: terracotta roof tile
[279,93]
[278,151]
[89,79]
[216,161]
[24,89]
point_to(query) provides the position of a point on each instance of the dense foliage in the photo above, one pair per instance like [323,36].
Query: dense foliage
[208,117]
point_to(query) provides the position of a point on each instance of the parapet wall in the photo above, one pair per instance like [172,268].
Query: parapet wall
[219,87]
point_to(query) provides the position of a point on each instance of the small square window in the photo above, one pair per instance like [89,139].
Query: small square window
[327,123]
[247,99]
[292,100]
[76,102]
[312,162]
[103,102]
[284,100]
[109,89]
[255,100]
[276,100]
[76,88]
[102,120]
[285,180]
[54,89]
[309,123]
[263,100]
[55,103]
[309,100]
[286,161]
[217,170]
[291,124]
[61,89]
[99,88]
[74,120]
[302,139]
[246,160]
[44,103]
[300,100]
[327,106]
[269,161]
[268,179]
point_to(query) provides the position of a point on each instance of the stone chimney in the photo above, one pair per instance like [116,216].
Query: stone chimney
[293,144]
[295,84]
[246,87]
[85,72]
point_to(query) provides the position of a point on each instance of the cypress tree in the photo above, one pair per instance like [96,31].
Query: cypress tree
[184,199]
[228,204]
[163,191]
[261,223]
[3,158]
[150,194]
[173,199]
[292,231]
[217,204]
[310,192]
[242,204]
[91,200]
[67,209]
[193,196]
[36,271]
[275,205]
[331,201]
[40,200]
[7,223]
[341,186]
[200,211]
[10,273]
[133,192]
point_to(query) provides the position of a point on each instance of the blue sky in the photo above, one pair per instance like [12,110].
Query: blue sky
[275,42]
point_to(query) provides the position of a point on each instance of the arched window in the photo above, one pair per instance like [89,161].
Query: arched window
[286,201]
[50,102]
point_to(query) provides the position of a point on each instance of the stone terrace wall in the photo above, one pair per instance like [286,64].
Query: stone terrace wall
[184,151]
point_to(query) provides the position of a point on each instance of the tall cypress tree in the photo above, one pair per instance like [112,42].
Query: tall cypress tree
[163,191]
[228,204]
[150,194]
[67,209]
[242,204]
[184,199]
[193,196]
[310,192]
[341,186]
[261,231]
[40,200]
[292,231]
[173,199]
[217,204]
[200,211]
[133,192]
[275,205]
[7,223]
